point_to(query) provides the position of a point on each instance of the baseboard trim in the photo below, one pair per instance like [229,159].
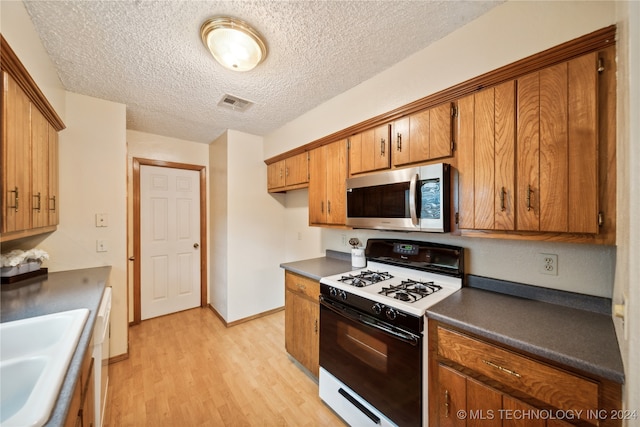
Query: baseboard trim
[243,320]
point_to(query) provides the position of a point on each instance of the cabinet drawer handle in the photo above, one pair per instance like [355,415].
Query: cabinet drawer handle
[301,286]
[16,198]
[502,194]
[505,370]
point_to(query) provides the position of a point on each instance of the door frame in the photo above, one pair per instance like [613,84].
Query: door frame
[137,259]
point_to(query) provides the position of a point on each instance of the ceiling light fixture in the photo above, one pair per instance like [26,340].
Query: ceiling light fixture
[233,43]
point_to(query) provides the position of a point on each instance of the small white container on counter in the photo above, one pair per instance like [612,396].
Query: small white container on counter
[358,259]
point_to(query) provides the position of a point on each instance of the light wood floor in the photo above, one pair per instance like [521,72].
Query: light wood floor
[187,369]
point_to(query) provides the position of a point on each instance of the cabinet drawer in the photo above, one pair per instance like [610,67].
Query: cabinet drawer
[302,285]
[556,387]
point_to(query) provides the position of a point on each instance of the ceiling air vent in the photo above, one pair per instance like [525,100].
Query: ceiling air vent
[234,103]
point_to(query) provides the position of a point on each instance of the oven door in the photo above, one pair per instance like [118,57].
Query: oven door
[378,361]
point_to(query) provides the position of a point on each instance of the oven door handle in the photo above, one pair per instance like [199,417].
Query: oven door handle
[350,314]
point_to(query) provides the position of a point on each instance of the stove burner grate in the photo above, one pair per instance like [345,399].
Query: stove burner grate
[365,278]
[410,290]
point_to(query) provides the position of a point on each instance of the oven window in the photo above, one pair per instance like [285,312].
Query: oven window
[383,370]
[368,349]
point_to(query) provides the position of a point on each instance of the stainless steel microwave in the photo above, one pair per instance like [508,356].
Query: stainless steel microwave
[411,199]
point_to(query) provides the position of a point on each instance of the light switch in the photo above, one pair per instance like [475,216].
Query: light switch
[102,220]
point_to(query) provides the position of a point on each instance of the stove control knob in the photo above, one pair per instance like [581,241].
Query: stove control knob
[343,295]
[391,314]
[377,308]
[333,292]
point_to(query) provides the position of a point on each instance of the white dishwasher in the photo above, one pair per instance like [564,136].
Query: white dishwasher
[101,332]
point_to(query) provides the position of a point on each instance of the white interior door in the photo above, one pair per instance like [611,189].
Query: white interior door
[170,240]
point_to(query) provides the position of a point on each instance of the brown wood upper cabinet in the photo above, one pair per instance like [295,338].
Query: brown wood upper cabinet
[29,145]
[528,152]
[423,136]
[288,174]
[370,150]
[327,184]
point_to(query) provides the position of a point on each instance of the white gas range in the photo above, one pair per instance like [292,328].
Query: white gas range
[373,355]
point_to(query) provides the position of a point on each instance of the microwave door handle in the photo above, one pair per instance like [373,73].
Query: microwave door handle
[413,199]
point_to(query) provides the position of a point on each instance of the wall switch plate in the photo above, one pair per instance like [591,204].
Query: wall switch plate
[548,264]
[101,246]
[102,220]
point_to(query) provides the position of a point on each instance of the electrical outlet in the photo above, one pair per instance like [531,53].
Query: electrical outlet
[548,264]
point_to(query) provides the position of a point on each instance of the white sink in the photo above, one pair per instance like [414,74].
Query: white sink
[34,357]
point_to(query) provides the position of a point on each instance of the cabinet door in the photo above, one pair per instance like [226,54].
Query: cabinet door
[276,175]
[452,397]
[336,182]
[355,154]
[486,163]
[401,142]
[16,157]
[557,148]
[318,185]
[54,199]
[39,169]
[302,330]
[514,411]
[297,169]
[483,405]
[440,131]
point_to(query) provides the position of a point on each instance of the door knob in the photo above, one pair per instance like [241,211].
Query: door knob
[195,245]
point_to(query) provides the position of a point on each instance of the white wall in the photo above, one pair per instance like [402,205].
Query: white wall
[247,223]
[156,147]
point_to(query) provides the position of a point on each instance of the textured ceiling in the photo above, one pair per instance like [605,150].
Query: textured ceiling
[149,55]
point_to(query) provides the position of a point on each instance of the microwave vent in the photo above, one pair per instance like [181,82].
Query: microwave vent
[234,103]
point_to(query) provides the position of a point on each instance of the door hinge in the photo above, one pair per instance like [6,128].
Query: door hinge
[600,65]
[600,219]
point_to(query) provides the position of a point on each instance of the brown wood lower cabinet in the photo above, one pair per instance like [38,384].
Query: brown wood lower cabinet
[302,320]
[477,383]
[81,412]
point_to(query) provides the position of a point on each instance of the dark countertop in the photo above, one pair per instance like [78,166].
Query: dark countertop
[56,292]
[581,339]
[316,268]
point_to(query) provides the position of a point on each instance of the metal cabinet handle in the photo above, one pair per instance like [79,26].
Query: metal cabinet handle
[322,206]
[52,199]
[529,191]
[447,399]
[36,207]
[328,206]
[503,192]
[316,327]
[382,146]
[399,142]
[16,198]
[502,369]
